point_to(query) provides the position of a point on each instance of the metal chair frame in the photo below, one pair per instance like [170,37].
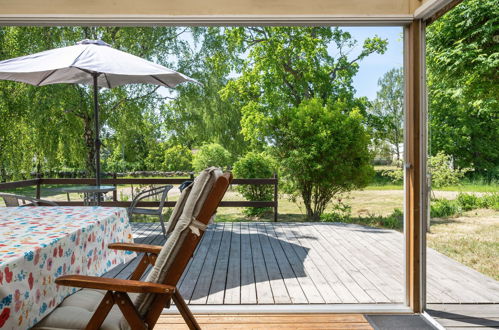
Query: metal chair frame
[163,190]
[12,200]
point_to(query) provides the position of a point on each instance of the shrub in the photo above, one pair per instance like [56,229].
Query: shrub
[255,165]
[442,173]
[393,221]
[177,158]
[396,176]
[468,202]
[441,208]
[489,201]
[322,150]
[211,154]
[341,212]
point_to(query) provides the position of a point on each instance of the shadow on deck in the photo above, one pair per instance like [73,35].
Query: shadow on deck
[310,263]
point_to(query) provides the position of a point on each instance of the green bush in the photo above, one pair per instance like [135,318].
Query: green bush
[211,154]
[468,202]
[442,208]
[255,165]
[177,158]
[442,173]
[396,176]
[395,220]
[489,201]
[341,212]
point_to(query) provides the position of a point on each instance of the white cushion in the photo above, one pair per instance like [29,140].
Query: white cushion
[76,310]
[177,210]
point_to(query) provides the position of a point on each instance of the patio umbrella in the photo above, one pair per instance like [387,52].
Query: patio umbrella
[90,62]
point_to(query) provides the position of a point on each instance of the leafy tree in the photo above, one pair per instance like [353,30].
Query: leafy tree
[463,63]
[55,123]
[255,165]
[211,154]
[283,70]
[285,66]
[387,112]
[199,114]
[322,151]
[155,156]
[178,158]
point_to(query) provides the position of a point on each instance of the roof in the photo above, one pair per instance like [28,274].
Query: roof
[178,12]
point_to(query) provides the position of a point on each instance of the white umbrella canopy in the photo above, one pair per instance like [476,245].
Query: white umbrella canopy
[90,62]
[78,63]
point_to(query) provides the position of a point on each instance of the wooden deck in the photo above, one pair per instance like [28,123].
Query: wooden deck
[310,263]
[465,316]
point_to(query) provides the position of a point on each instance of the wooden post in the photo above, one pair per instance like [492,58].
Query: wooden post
[38,186]
[276,197]
[115,192]
[415,165]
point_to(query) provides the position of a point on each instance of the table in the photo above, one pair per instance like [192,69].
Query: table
[39,244]
[90,193]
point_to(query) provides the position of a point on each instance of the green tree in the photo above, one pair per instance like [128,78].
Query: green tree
[322,151]
[282,70]
[211,154]
[55,123]
[387,111]
[463,81]
[177,158]
[199,114]
[286,65]
[255,165]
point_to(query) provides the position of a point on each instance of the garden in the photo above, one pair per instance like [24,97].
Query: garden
[278,100]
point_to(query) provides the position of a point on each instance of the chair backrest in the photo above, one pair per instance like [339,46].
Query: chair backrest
[195,209]
[163,190]
[10,200]
[14,200]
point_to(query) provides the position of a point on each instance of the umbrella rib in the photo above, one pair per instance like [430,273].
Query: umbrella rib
[161,81]
[107,80]
[46,77]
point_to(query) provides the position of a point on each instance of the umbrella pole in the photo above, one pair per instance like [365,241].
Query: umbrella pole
[97,139]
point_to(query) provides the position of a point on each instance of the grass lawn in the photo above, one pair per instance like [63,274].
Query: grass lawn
[466,187]
[472,239]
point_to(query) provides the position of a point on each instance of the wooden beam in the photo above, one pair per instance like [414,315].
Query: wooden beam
[442,11]
[18,184]
[414,121]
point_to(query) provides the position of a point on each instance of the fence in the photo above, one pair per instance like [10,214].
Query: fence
[39,182]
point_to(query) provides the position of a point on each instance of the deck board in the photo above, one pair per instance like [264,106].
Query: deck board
[266,321]
[311,263]
[465,316]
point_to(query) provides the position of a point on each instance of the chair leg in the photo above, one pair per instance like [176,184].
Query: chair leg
[185,311]
[129,311]
[162,224]
[101,312]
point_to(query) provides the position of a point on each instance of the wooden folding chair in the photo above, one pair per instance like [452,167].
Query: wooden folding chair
[196,206]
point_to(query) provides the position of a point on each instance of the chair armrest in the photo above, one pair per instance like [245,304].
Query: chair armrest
[113,284]
[155,249]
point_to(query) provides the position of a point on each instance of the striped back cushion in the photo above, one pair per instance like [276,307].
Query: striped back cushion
[194,201]
[177,210]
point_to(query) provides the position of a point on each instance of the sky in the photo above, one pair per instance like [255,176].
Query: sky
[372,68]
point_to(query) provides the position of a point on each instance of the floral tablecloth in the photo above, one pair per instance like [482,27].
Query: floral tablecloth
[39,244]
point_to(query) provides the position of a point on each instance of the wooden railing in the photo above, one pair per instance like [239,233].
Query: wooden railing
[39,182]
